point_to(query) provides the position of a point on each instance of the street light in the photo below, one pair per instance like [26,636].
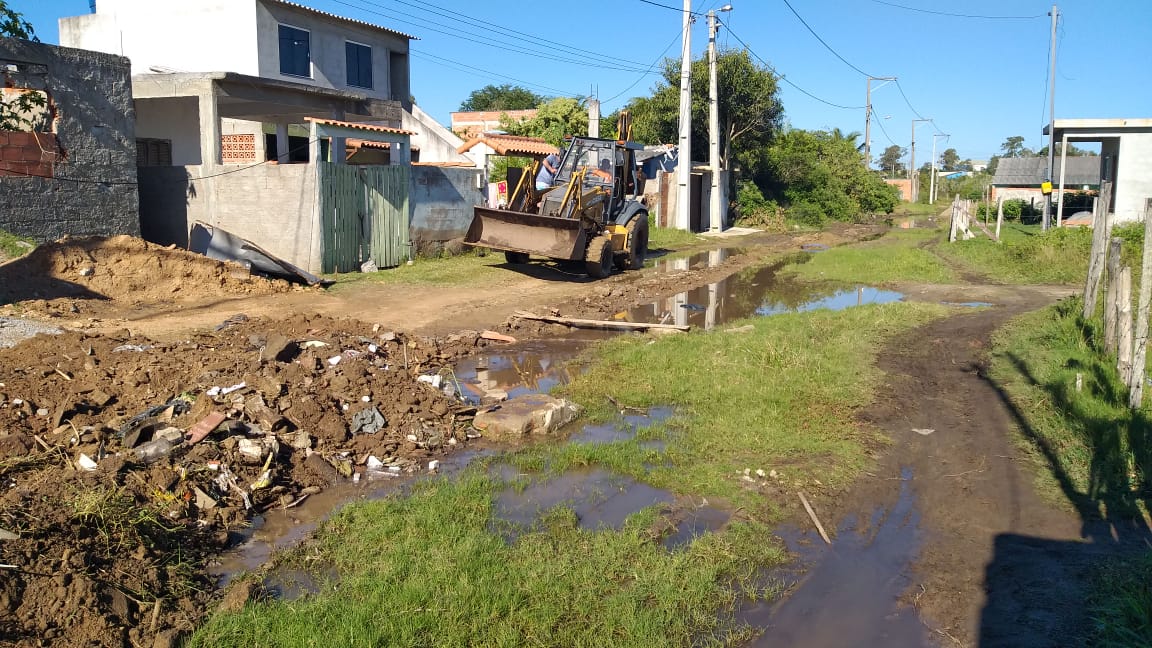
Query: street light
[715,217]
[932,188]
[868,117]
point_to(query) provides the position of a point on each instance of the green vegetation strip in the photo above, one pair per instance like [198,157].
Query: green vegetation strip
[12,246]
[899,256]
[1087,446]
[434,568]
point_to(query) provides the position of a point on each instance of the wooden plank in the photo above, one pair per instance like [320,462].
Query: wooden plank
[1124,323]
[1111,304]
[1101,232]
[599,324]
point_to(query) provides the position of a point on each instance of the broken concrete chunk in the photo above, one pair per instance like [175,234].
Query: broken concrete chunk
[279,348]
[204,501]
[204,427]
[530,414]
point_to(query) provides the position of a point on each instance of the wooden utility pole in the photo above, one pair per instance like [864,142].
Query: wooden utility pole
[1140,341]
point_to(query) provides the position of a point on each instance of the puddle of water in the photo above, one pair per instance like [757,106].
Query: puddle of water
[695,523]
[850,593]
[599,499]
[624,428]
[279,529]
[709,259]
[762,293]
[531,368]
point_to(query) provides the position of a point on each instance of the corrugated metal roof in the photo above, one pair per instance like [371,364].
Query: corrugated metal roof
[362,23]
[1031,171]
[359,126]
[510,145]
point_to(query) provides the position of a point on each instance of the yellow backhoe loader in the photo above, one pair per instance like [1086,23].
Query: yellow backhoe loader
[592,211]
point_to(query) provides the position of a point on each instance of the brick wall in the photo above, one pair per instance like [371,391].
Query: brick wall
[80,177]
[28,154]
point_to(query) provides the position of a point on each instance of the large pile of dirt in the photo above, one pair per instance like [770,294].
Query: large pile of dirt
[123,269]
[110,503]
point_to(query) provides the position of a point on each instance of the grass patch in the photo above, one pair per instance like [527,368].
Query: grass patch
[12,246]
[1027,255]
[778,397]
[428,570]
[461,270]
[905,209]
[666,238]
[1089,448]
[900,256]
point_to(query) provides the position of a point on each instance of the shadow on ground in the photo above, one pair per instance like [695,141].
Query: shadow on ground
[1037,585]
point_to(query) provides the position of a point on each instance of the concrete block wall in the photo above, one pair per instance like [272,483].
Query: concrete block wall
[274,206]
[441,204]
[1133,176]
[94,186]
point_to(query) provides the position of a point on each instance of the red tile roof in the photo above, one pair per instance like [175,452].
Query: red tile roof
[359,126]
[511,145]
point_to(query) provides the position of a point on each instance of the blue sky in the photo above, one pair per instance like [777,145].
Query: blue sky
[980,79]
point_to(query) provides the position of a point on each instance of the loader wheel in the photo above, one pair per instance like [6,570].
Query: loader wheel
[633,258]
[598,258]
[516,258]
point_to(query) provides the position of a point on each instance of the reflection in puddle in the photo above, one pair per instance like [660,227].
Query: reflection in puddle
[597,497]
[762,293]
[709,259]
[850,594]
[531,368]
[624,429]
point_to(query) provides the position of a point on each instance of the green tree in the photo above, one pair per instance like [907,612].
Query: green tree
[1014,147]
[13,24]
[820,175]
[749,109]
[993,162]
[1073,151]
[889,160]
[502,97]
[950,159]
[554,119]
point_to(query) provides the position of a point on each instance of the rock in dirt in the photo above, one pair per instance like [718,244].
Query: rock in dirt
[530,414]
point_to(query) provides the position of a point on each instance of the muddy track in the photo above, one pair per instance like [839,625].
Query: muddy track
[949,527]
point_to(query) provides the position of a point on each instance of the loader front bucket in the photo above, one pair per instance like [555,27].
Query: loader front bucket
[511,231]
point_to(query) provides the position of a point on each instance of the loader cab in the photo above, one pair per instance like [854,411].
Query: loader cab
[607,163]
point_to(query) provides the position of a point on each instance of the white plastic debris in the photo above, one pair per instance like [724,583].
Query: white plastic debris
[221,391]
[335,360]
[433,465]
[372,348]
[373,463]
[355,477]
[366,399]
[313,344]
[84,462]
[433,380]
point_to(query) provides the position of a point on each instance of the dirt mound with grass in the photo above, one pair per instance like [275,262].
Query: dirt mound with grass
[127,463]
[124,270]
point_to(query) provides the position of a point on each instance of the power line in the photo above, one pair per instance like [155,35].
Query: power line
[822,42]
[676,9]
[880,123]
[464,67]
[482,40]
[956,15]
[784,78]
[487,25]
[654,64]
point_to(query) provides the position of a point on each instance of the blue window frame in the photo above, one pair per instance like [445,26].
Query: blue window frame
[295,52]
[359,59]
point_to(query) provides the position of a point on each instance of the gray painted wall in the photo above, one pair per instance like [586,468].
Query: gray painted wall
[95,126]
[442,199]
[327,39]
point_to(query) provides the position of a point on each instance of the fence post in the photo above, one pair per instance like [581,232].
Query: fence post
[1101,231]
[999,215]
[955,214]
[1124,323]
[1140,341]
[1111,303]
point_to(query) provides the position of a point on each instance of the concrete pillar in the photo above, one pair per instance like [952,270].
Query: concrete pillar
[338,150]
[282,143]
[313,143]
[209,128]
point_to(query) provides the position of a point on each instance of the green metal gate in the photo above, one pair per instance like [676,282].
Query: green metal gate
[363,215]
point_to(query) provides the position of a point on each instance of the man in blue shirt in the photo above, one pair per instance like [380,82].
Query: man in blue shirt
[548,171]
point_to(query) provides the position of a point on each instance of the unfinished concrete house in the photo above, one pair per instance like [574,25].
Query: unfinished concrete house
[67,150]
[294,129]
